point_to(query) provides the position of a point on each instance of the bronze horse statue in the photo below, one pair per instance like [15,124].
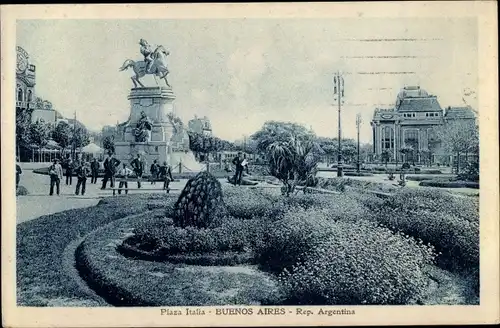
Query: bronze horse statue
[158,67]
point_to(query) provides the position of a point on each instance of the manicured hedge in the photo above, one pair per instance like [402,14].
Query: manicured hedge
[358,174]
[449,184]
[423,177]
[354,263]
[21,191]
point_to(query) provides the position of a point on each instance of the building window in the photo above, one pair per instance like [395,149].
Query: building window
[387,138]
[411,138]
[30,96]
[20,94]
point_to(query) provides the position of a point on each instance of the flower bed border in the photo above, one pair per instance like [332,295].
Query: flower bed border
[203,259]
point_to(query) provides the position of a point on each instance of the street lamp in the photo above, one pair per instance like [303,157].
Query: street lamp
[338,92]
[358,124]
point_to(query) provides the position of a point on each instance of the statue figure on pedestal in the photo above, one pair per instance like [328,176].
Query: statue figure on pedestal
[142,132]
[155,63]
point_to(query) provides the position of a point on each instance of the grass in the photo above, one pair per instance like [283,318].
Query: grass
[120,280]
[42,242]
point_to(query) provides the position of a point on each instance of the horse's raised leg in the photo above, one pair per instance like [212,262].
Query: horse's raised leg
[166,81]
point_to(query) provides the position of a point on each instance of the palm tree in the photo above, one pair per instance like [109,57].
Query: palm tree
[293,162]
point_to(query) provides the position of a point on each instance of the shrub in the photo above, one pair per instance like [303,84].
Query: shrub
[288,239]
[358,174]
[21,191]
[449,222]
[470,172]
[423,177]
[439,183]
[200,202]
[359,263]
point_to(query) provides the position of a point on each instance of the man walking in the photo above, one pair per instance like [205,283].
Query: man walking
[138,166]
[56,175]
[166,175]
[123,174]
[82,171]
[110,165]
[94,167]
[237,161]
[69,171]
[153,170]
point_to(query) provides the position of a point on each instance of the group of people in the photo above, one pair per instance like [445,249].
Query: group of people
[112,170]
[81,168]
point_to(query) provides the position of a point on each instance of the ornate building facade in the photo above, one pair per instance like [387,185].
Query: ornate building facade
[200,125]
[25,90]
[413,123]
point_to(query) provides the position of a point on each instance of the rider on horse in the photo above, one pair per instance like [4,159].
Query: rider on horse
[147,52]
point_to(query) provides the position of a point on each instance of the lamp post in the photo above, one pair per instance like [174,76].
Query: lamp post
[338,92]
[358,124]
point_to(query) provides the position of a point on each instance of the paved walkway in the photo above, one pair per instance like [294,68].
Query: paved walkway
[39,203]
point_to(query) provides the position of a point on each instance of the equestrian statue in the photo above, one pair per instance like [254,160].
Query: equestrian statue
[155,63]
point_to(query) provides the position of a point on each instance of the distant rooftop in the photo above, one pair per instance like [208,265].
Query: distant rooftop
[416,99]
[459,113]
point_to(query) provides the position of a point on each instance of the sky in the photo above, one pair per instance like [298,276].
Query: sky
[243,72]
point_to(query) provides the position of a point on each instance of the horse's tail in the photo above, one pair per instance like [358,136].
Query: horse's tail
[126,64]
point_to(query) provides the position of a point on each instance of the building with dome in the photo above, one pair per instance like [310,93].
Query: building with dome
[413,123]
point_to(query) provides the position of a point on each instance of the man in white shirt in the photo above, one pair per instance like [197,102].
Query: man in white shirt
[123,174]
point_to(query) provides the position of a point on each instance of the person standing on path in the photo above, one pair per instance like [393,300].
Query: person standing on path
[82,171]
[56,175]
[153,170]
[18,173]
[110,165]
[124,173]
[138,166]
[239,169]
[94,167]
[69,171]
[166,175]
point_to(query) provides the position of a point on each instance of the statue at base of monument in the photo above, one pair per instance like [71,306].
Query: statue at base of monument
[155,63]
[142,132]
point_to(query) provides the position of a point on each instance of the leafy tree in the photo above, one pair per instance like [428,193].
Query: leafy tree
[459,137]
[23,130]
[80,137]
[39,133]
[275,131]
[108,143]
[405,150]
[62,134]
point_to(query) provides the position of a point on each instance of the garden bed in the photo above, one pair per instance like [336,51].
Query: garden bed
[423,177]
[121,280]
[41,244]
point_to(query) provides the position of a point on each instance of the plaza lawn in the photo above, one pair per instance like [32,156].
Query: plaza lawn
[392,243]
[41,243]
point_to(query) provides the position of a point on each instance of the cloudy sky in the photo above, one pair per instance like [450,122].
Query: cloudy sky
[243,72]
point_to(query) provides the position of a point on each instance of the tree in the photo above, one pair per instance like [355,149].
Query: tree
[459,137]
[23,131]
[275,131]
[62,134]
[405,150]
[108,143]
[386,156]
[80,137]
[39,133]
[293,162]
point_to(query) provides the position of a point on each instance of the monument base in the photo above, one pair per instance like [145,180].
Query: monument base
[159,151]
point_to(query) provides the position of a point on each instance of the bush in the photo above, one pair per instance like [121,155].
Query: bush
[423,177]
[288,239]
[439,183]
[470,173]
[359,263]
[21,191]
[200,202]
[358,174]
[449,222]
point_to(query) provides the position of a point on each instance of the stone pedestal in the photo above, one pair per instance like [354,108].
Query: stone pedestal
[164,145]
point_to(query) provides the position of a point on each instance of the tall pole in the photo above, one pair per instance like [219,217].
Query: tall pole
[358,124]
[74,138]
[339,90]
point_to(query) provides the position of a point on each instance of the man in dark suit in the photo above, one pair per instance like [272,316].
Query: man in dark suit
[82,171]
[239,169]
[110,165]
[94,167]
[138,166]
